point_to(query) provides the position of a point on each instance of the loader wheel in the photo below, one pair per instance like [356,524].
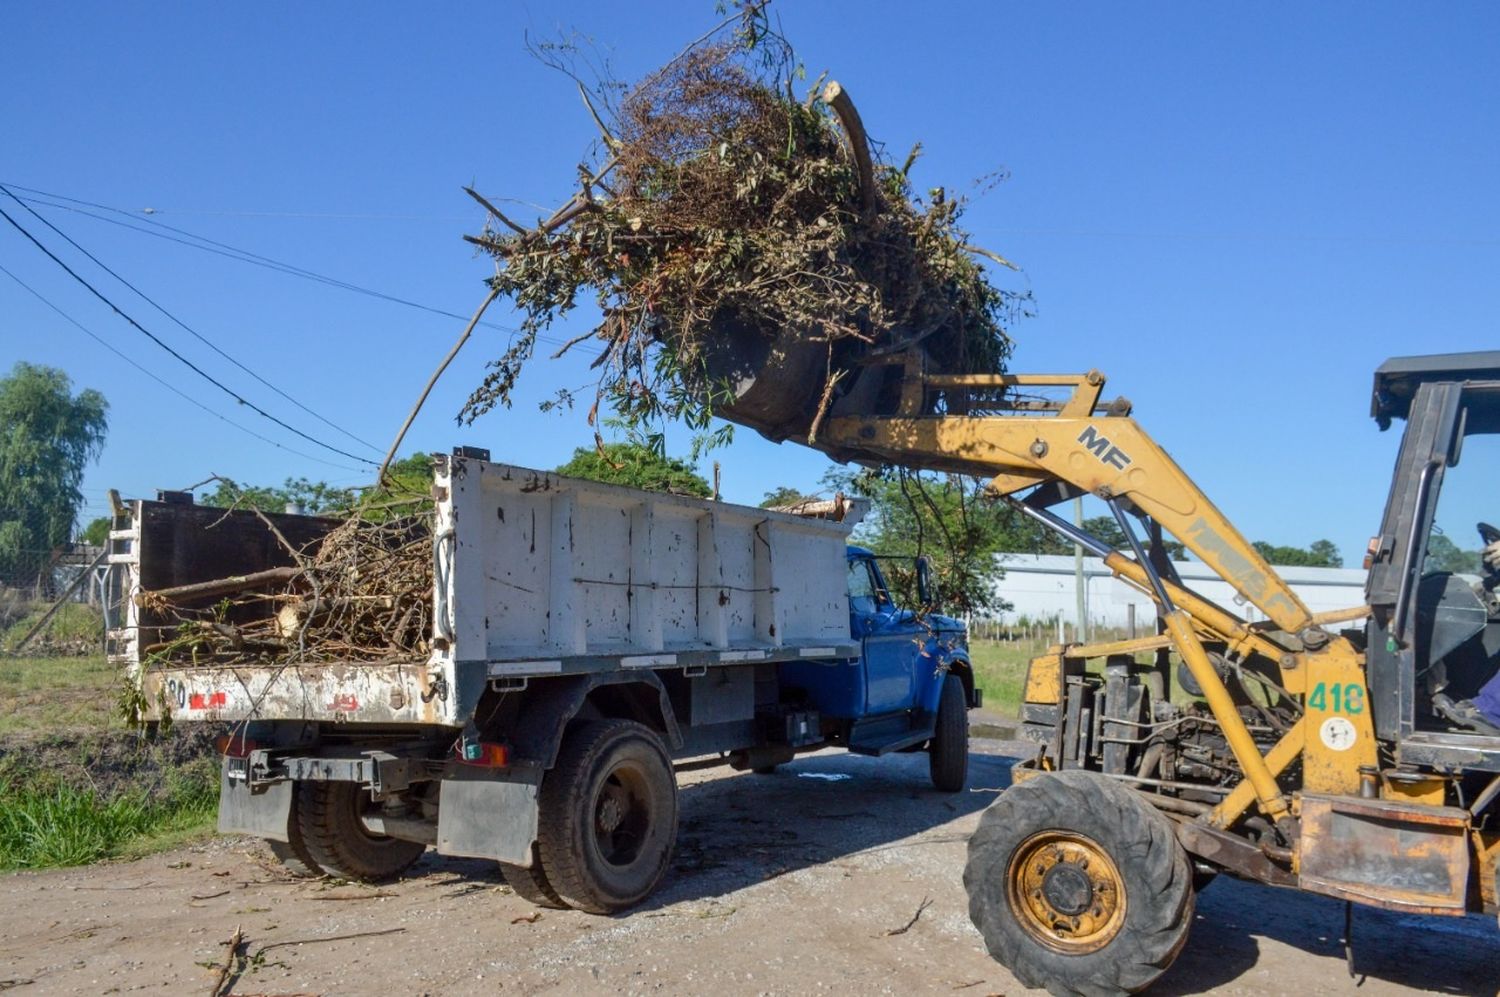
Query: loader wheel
[328,815]
[292,853]
[948,753]
[1078,885]
[532,884]
[608,816]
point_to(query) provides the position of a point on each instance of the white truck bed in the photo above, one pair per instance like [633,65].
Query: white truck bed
[536,574]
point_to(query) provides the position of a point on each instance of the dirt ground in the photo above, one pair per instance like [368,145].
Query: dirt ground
[795,883]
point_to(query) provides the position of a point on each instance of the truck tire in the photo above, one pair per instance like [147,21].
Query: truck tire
[948,752]
[608,818]
[1079,885]
[532,884]
[292,853]
[328,815]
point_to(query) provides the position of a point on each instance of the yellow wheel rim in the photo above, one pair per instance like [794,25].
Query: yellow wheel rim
[1066,892]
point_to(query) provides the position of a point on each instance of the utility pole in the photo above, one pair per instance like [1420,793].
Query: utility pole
[1079,590]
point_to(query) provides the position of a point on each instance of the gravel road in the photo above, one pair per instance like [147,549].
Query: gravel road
[801,882]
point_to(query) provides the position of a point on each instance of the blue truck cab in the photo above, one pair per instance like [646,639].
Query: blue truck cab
[910,688]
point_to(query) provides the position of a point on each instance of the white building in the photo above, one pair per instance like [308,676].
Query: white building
[1041,588]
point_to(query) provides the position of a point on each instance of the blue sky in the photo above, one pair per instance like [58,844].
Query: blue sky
[1234,211]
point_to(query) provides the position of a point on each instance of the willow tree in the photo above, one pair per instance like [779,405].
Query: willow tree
[48,436]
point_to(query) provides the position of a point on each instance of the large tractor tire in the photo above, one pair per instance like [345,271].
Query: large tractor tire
[328,814]
[532,883]
[1079,885]
[292,853]
[948,753]
[608,816]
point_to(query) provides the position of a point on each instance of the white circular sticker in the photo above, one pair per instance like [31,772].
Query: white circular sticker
[1337,734]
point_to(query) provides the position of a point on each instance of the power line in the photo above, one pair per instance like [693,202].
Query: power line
[191,331]
[161,380]
[182,359]
[243,255]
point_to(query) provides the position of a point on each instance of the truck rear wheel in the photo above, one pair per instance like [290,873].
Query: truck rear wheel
[328,814]
[292,853]
[608,816]
[948,754]
[1078,885]
[532,883]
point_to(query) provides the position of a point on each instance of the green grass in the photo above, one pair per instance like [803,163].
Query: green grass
[1000,670]
[45,695]
[73,627]
[70,826]
[76,786]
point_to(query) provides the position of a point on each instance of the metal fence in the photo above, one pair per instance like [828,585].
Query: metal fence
[33,568]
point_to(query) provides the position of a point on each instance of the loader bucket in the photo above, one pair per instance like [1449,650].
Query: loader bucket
[771,383]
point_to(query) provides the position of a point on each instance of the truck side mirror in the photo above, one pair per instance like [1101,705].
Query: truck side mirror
[924,583]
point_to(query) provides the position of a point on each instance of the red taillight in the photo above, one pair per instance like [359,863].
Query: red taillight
[485,753]
[234,745]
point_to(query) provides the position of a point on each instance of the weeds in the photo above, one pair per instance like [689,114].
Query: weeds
[70,826]
[73,629]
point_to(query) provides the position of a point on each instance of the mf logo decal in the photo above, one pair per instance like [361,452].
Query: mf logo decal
[1100,447]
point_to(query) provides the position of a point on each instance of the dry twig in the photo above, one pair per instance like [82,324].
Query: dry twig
[230,953]
[926,903]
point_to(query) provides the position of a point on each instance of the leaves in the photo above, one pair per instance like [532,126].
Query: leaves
[730,205]
[636,465]
[47,437]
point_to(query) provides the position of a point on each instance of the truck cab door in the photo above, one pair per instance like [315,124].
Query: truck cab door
[892,640]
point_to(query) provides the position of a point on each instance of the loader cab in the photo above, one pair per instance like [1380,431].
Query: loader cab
[1435,624]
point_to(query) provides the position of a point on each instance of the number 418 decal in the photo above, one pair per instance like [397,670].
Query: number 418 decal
[1336,698]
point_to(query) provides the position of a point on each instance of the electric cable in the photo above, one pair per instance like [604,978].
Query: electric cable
[246,256]
[178,356]
[189,329]
[161,380]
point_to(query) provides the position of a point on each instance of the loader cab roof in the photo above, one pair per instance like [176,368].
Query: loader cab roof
[1397,380]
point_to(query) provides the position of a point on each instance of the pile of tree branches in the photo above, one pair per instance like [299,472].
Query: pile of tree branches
[361,593]
[720,202]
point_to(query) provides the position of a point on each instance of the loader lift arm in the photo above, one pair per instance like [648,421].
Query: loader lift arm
[971,424]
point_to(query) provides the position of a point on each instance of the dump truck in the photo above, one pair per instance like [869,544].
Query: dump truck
[586,639]
[1317,752]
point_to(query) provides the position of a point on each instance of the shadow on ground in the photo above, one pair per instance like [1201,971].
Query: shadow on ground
[1447,955]
[741,829]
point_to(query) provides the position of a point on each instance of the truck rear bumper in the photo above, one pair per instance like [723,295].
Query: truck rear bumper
[482,813]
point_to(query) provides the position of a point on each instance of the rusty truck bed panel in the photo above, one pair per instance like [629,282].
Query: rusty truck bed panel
[398,693]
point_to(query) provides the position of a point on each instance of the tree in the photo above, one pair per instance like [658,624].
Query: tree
[1327,552]
[1444,555]
[636,466]
[945,519]
[96,534]
[1106,529]
[407,478]
[47,437]
[782,495]
[1320,554]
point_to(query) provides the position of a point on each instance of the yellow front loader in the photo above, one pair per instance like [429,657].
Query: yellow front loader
[1302,750]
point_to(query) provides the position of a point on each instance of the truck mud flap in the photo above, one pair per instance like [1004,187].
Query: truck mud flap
[262,810]
[483,817]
